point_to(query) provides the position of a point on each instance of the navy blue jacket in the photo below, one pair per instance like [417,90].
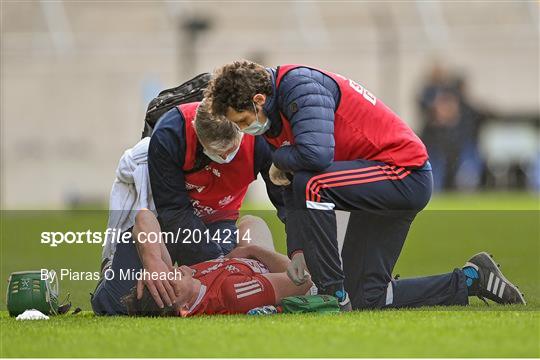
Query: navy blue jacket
[166,154]
[309,99]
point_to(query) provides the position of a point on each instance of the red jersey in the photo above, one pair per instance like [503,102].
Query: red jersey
[364,128]
[231,286]
[216,192]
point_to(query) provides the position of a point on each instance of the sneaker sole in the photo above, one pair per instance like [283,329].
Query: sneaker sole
[499,273]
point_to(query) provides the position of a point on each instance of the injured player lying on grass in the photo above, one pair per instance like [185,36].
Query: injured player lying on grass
[248,277]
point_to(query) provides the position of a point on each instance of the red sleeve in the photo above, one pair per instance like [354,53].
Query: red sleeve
[242,293]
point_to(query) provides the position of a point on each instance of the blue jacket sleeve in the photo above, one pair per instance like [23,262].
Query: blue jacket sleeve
[308,98]
[175,212]
[263,161]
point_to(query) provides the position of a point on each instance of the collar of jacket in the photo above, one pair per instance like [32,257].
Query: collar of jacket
[271,109]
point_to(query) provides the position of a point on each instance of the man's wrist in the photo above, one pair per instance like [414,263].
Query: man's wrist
[150,257]
[298,251]
[146,247]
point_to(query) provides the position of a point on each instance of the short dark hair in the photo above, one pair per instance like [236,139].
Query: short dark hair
[146,306]
[234,85]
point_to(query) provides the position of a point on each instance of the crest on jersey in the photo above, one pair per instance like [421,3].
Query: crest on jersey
[232,269]
[211,268]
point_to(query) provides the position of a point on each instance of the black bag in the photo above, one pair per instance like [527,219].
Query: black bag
[188,92]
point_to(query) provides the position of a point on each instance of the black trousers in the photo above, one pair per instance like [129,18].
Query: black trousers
[383,201]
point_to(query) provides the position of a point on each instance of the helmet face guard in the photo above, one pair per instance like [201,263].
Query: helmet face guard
[26,290]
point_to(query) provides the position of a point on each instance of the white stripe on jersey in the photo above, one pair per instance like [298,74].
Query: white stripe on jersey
[248,287]
[245,283]
[258,290]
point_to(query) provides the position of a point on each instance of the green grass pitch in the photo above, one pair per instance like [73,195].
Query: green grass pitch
[442,238]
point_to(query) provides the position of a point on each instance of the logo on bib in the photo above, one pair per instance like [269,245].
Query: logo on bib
[190,186]
[225,201]
[213,170]
[201,210]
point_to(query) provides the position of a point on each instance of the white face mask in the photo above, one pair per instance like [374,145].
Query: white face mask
[256,128]
[218,159]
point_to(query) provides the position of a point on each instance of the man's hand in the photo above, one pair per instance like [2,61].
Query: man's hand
[278,177]
[161,290]
[296,270]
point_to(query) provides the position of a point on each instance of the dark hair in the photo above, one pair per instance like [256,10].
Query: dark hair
[235,85]
[146,306]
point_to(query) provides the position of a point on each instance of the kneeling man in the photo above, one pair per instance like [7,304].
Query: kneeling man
[196,171]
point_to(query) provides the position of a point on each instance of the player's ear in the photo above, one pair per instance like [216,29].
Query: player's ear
[186,271]
[259,99]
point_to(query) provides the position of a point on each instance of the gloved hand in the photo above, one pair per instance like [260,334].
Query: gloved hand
[278,177]
[296,270]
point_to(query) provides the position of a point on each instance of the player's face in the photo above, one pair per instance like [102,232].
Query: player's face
[246,117]
[184,287]
[222,154]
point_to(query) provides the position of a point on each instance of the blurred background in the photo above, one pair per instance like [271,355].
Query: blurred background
[77,76]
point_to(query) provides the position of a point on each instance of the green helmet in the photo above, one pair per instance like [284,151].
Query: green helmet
[26,290]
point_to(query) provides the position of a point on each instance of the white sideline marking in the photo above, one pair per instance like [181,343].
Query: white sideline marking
[501,290]
[490,281]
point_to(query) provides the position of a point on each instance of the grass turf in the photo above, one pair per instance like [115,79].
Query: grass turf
[439,241]
[371,333]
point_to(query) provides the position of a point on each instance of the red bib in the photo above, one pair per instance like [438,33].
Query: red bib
[216,191]
[364,128]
